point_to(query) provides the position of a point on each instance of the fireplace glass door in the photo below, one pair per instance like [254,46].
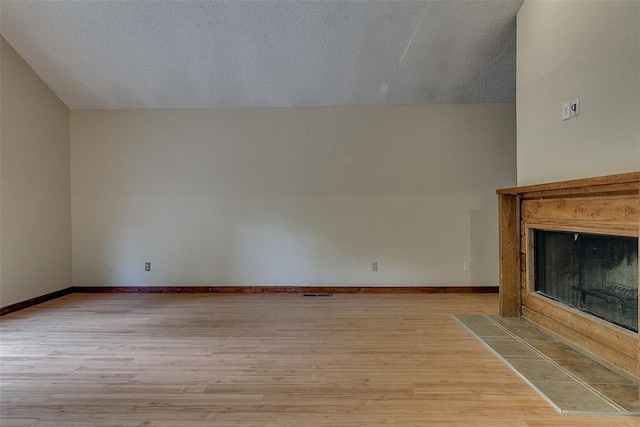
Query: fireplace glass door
[597,274]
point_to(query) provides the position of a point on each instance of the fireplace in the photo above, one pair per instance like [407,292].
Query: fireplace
[569,263]
[594,273]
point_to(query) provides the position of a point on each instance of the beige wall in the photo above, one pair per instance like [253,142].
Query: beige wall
[35,249]
[289,196]
[586,49]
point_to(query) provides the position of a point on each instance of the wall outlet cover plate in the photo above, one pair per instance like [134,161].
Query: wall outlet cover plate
[575,107]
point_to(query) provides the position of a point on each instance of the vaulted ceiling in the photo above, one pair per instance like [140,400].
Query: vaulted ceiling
[202,54]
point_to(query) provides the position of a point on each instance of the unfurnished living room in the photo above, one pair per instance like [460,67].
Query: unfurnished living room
[319,213]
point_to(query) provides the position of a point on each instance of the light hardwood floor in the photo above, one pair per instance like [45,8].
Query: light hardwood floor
[261,360]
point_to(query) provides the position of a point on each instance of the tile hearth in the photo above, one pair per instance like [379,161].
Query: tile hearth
[569,380]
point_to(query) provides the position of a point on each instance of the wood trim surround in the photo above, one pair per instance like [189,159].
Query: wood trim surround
[605,205]
[620,211]
[509,252]
[250,290]
[35,301]
[606,333]
[604,354]
[632,178]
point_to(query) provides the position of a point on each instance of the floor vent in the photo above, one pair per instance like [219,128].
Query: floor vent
[319,294]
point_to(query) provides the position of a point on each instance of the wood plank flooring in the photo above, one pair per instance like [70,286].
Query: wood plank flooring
[261,360]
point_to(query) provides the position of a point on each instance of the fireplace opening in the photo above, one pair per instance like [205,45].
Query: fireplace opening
[594,273]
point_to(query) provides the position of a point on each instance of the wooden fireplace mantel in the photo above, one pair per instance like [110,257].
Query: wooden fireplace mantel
[606,205]
[630,181]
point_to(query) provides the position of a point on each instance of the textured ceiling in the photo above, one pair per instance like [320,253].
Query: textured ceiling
[203,54]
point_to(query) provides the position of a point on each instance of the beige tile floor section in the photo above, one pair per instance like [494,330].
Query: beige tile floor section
[569,380]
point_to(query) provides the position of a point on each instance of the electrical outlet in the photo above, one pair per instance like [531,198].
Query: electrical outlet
[466,266]
[374,266]
[147,266]
[575,107]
